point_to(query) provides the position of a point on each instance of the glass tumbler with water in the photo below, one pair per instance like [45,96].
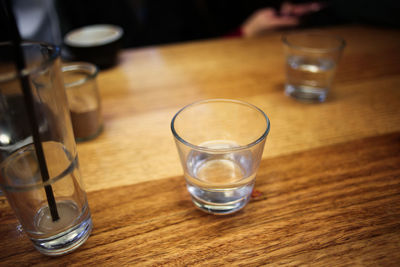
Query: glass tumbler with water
[220,144]
[39,170]
[311,61]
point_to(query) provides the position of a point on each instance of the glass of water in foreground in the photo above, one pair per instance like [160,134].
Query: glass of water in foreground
[220,144]
[39,170]
[311,60]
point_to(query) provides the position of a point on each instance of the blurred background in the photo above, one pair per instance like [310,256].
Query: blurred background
[154,22]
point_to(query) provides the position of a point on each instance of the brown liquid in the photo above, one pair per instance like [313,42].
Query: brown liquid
[85,124]
[85,116]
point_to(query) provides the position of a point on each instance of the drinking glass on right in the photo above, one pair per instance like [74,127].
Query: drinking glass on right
[220,144]
[311,60]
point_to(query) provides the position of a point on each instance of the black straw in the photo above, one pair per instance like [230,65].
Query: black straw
[29,102]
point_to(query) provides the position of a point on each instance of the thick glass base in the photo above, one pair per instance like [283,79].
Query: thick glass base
[306,94]
[66,241]
[219,208]
[220,201]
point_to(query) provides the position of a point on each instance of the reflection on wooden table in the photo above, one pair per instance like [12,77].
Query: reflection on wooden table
[328,187]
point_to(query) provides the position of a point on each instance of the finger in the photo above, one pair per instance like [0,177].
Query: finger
[267,12]
[303,9]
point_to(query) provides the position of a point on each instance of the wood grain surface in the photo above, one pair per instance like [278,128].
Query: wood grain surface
[331,206]
[327,191]
[150,85]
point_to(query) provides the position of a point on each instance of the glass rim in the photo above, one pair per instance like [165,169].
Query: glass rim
[90,69]
[339,47]
[15,74]
[232,101]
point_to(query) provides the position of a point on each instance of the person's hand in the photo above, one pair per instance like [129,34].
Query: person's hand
[264,20]
[268,19]
[297,10]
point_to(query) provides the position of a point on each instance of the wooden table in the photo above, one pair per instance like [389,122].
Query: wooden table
[327,191]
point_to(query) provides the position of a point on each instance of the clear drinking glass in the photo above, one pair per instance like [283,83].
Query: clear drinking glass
[52,208]
[220,144]
[311,60]
[84,99]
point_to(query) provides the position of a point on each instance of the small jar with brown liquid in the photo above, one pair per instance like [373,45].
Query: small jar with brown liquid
[84,99]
